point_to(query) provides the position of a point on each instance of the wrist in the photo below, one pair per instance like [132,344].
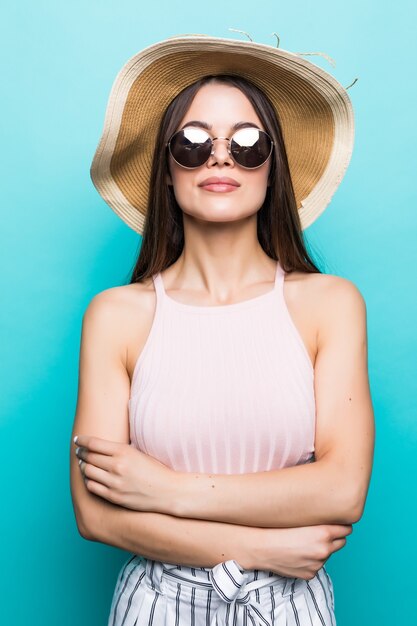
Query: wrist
[251,548]
[178,498]
[184,495]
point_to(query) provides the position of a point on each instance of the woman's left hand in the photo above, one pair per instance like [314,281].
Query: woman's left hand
[126,476]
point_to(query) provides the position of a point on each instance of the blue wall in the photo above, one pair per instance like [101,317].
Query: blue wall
[61,245]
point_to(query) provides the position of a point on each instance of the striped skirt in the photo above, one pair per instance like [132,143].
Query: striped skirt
[152,593]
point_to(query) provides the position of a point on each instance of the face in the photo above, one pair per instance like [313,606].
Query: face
[220,107]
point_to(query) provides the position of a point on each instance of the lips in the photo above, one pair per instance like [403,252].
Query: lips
[219,184]
[219,180]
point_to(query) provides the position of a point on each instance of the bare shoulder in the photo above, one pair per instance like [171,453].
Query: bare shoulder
[318,302]
[124,315]
[335,289]
[334,302]
[324,291]
[118,300]
[338,296]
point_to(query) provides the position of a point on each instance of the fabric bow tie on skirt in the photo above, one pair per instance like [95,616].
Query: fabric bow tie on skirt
[239,607]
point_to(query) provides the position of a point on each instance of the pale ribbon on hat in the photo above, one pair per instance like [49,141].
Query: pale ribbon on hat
[322,54]
[230,584]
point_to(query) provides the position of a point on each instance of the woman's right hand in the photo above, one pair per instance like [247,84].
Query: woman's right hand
[299,552]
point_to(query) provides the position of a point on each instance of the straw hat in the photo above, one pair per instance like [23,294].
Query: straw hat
[315,112]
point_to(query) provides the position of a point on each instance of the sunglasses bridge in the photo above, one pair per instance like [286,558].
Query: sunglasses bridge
[228,139]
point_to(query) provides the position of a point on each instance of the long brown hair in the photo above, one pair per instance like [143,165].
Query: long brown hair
[278,222]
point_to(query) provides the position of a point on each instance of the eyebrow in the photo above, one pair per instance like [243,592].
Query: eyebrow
[201,124]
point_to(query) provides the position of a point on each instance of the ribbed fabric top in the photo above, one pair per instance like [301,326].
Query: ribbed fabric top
[224,389]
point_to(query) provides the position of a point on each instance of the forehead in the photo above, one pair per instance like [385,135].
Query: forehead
[221,105]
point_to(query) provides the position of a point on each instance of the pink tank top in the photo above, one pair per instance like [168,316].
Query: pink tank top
[224,389]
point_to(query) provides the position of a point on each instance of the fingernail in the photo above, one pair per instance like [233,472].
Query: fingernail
[80,461]
[77,450]
[75,439]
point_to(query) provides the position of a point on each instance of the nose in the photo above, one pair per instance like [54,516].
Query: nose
[220,154]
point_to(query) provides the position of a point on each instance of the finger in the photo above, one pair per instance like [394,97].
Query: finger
[103,446]
[103,491]
[340,530]
[337,544]
[98,475]
[99,460]
[98,489]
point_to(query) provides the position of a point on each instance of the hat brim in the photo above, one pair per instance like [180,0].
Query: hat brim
[315,111]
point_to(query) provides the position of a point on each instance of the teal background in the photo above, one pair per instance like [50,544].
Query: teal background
[61,244]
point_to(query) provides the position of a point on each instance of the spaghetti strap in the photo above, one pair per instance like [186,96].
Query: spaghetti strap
[279,275]
[159,287]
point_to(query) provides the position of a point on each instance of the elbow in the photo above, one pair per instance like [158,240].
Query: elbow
[353,514]
[83,525]
[84,530]
[84,504]
[352,507]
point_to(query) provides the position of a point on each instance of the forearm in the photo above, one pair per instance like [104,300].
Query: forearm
[303,495]
[191,542]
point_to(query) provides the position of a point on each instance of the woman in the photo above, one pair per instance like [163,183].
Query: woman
[224,424]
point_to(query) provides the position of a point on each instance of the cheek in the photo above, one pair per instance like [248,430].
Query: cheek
[183,189]
[258,183]
[180,179]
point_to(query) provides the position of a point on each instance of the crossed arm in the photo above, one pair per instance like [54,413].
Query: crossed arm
[331,490]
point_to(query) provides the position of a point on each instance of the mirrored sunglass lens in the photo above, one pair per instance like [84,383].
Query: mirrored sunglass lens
[250,147]
[191,147]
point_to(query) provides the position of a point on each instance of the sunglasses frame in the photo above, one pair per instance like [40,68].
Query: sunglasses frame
[229,139]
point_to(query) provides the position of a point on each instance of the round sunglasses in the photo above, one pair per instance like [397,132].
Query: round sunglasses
[192,147]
